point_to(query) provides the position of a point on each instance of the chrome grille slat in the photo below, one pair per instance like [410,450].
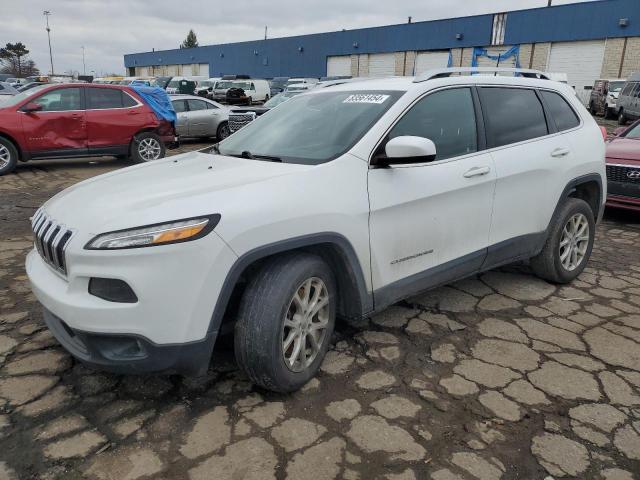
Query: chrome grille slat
[51,239]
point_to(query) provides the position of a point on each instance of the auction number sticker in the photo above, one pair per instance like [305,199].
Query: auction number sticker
[366,98]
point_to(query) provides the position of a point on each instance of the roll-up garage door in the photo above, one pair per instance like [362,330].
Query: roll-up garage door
[382,65]
[186,70]
[431,60]
[581,61]
[339,66]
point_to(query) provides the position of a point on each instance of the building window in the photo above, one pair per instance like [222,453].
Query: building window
[499,28]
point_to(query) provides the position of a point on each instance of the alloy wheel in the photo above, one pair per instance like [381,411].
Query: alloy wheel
[574,242]
[305,325]
[5,156]
[149,149]
[224,132]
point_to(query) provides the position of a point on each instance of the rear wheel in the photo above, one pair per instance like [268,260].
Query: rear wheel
[146,147]
[569,244]
[285,321]
[8,156]
[223,131]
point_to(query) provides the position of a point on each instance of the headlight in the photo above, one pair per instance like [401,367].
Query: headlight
[158,234]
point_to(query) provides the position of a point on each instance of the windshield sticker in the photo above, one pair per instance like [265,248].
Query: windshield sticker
[366,98]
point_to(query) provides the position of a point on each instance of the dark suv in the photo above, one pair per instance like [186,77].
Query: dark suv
[80,120]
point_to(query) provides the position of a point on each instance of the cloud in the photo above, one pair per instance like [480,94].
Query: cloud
[108,29]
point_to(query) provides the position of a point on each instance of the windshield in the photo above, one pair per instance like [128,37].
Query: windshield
[242,85]
[16,99]
[311,129]
[633,132]
[206,83]
[291,81]
[278,99]
[174,84]
[278,82]
[615,87]
[297,88]
[224,85]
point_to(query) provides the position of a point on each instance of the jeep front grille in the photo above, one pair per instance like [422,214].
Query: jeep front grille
[51,239]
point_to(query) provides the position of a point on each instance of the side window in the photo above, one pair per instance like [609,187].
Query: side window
[179,106]
[634,90]
[197,105]
[512,115]
[60,100]
[128,100]
[431,118]
[563,115]
[253,87]
[627,89]
[103,98]
[211,106]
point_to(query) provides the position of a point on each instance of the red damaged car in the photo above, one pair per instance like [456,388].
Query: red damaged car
[80,120]
[623,168]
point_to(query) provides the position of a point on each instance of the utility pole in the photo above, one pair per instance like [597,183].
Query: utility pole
[549,4]
[265,32]
[46,14]
[84,67]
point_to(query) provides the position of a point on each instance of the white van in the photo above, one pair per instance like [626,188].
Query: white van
[255,90]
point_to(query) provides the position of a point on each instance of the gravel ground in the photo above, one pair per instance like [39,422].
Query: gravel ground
[501,376]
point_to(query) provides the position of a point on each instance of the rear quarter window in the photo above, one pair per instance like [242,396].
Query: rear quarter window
[512,115]
[560,111]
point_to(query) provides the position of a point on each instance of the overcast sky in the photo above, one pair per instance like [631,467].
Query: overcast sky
[110,28]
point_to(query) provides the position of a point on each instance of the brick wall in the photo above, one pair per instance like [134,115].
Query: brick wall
[631,63]
[613,50]
[409,63]
[540,56]
[363,70]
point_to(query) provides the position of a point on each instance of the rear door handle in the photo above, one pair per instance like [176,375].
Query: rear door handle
[476,172]
[560,152]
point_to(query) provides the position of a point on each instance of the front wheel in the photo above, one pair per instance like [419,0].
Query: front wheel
[285,321]
[569,243]
[622,118]
[146,147]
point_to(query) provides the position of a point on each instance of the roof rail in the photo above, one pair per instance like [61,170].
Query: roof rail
[447,72]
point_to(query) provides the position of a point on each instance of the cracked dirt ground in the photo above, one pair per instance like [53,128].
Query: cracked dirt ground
[499,376]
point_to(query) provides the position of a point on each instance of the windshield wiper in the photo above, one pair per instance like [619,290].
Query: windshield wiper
[247,154]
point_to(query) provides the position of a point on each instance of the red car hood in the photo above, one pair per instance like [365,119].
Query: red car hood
[624,149]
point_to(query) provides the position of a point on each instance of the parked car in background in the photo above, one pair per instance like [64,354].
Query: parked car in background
[161,82]
[296,80]
[628,102]
[29,86]
[16,82]
[220,90]
[248,92]
[200,117]
[239,117]
[623,168]
[277,85]
[174,85]
[604,96]
[6,89]
[80,120]
[299,87]
[205,87]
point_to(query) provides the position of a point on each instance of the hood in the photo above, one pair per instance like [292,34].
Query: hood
[624,149]
[178,187]
[614,94]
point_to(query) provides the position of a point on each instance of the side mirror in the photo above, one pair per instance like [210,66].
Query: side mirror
[408,149]
[619,131]
[32,107]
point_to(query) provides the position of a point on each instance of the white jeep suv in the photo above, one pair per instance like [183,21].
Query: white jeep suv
[337,203]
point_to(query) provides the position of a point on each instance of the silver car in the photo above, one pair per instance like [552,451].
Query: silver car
[200,117]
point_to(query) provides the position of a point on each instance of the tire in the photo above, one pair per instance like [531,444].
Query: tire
[146,147]
[223,131]
[592,109]
[250,101]
[261,332]
[607,112]
[549,264]
[622,118]
[8,156]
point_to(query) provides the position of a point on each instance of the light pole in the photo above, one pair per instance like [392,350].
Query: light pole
[46,14]
[84,67]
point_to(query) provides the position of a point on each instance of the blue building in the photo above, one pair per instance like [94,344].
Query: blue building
[583,42]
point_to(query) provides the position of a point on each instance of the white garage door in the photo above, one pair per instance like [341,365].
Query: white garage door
[430,60]
[339,66]
[494,52]
[382,65]
[581,61]
[186,70]
[172,70]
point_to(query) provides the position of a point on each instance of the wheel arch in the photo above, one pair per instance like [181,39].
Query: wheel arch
[588,188]
[354,298]
[6,136]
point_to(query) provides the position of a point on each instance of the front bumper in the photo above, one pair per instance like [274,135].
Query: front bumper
[620,201]
[131,354]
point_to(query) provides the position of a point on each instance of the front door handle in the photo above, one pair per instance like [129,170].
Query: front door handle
[476,172]
[560,152]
